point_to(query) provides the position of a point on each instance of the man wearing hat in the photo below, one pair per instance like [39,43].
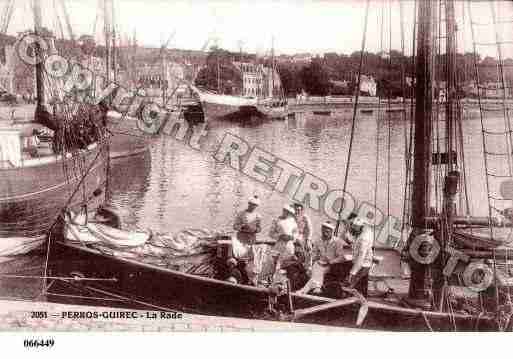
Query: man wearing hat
[326,252]
[304,238]
[360,235]
[284,231]
[247,224]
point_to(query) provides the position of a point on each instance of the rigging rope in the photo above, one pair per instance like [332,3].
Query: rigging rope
[60,278]
[409,143]
[378,117]
[509,142]
[353,122]
[481,117]
[389,117]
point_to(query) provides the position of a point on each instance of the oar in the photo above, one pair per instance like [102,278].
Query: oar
[300,313]
[364,306]
[264,241]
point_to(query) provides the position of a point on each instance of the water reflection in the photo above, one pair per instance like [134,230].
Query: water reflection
[188,188]
[129,184]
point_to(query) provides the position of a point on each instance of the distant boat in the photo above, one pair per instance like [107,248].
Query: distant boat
[274,108]
[216,106]
[322,113]
[396,109]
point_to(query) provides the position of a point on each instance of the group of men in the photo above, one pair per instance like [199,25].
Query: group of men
[294,241]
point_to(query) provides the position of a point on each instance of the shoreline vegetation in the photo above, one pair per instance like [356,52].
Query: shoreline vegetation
[335,74]
[332,74]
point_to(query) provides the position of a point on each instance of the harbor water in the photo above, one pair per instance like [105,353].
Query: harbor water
[174,186]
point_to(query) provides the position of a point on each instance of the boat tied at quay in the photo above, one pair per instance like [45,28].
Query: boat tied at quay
[279,274]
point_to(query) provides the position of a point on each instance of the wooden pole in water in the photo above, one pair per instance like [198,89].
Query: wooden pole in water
[422,141]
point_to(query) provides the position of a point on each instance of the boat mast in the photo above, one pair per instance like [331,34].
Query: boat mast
[450,71]
[106,30]
[114,49]
[68,22]
[218,67]
[422,141]
[272,68]
[39,66]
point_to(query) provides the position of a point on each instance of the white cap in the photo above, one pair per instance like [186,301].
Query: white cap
[254,200]
[289,208]
[329,225]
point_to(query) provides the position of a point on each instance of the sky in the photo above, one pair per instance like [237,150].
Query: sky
[315,26]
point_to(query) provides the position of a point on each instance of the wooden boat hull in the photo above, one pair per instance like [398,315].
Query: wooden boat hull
[32,196]
[168,289]
[278,113]
[225,107]
[322,113]
[217,111]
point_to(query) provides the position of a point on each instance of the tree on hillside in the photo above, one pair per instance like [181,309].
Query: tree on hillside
[290,79]
[219,64]
[315,78]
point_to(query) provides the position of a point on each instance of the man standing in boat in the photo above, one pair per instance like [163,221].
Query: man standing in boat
[304,238]
[247,224]
[361,238]
[326,252]
[284,231]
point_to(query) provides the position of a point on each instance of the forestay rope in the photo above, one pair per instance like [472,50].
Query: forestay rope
[353,121]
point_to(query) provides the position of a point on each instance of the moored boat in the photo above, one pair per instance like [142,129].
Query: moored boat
[273,108]
[40,179]
[34,193]
[429,304]
[216,106]
[160,286]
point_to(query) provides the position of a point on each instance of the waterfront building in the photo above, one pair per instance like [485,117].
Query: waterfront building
[258,80]
[368,85]
[495,90]
[161,77]
[302,58]
[488,89]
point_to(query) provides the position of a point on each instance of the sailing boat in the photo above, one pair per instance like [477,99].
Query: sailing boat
[273,108]
[218,105]
[38,181]
[125,139]
[159,283]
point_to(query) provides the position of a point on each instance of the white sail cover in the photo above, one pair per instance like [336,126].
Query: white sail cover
[10,149]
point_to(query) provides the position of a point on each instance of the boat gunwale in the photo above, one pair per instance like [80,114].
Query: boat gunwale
[182,274]
[21,197]
[372,304]
[51,159]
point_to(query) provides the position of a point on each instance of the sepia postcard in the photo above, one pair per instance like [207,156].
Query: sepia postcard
[299,166]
